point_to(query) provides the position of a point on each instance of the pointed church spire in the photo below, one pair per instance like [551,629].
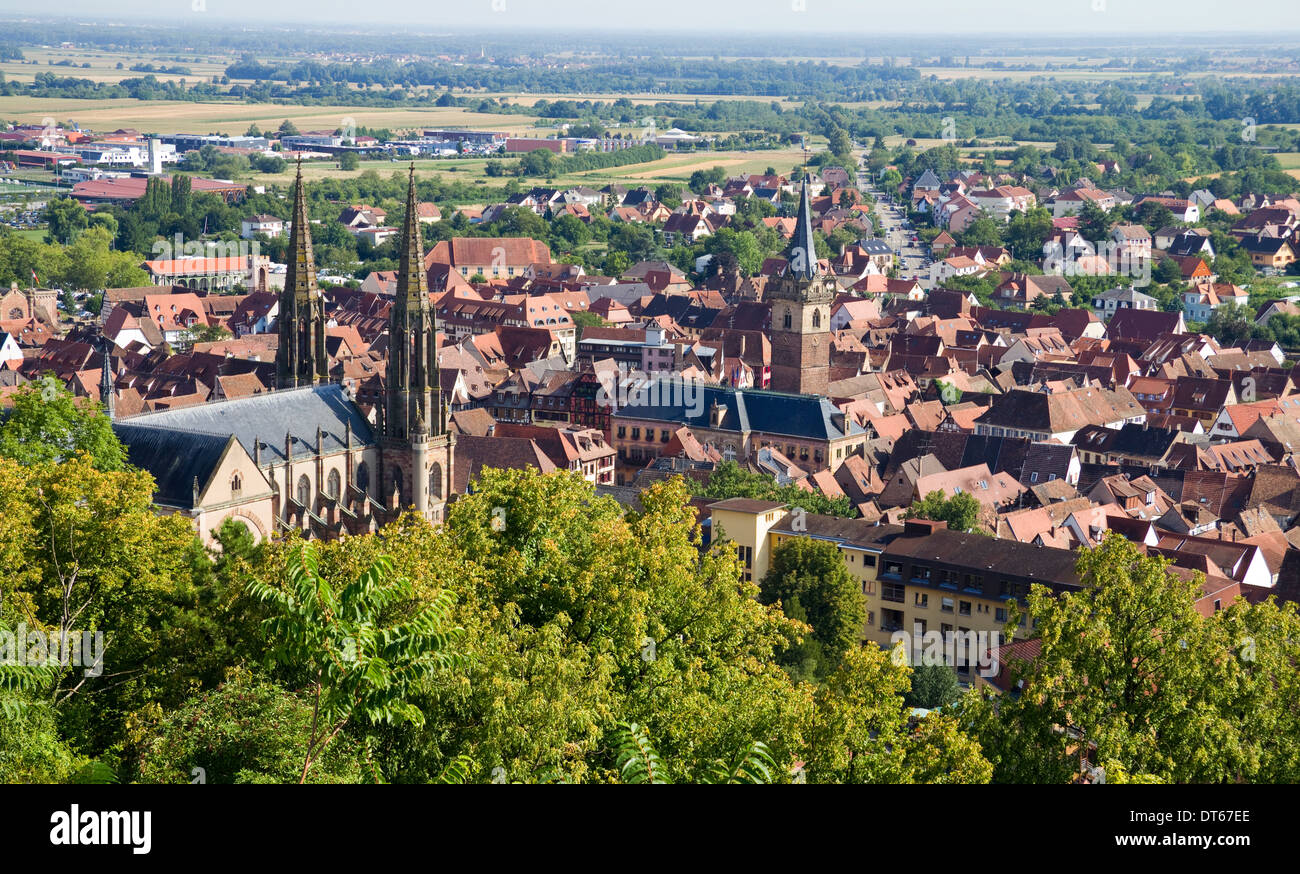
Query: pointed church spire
[412,281]
[801,256]
[301,275]
[107,391]
[412,389]
[300,358]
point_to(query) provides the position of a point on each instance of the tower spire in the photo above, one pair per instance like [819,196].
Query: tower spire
[413,399]
[107,390]
[801,256]
[412,282]
[300,357]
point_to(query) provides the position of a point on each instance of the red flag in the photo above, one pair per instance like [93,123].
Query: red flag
[36,282]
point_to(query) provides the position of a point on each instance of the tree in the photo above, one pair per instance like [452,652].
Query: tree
[933,686]
[579,616]
[1027,231]
[355,664]
[583,319]
[66,217]
[961,511]
[860,730]
[813,585]
[616,263]
[1231,323]
[1167,271]
[1094,223]
[84,550]
[1129,668]
[538,162]
[287,129]
[246,730]
[208,333]
[47,424]
[349,161]
[730,480]
[984,231]
[639,762]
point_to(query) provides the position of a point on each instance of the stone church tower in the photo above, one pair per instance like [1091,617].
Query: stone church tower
[415,446]
[300,359]
[801,314]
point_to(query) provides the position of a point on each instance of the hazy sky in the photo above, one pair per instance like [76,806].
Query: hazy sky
[1009,17]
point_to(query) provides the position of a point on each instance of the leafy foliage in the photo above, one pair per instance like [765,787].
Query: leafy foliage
[961,511]
[355,664]
[48,424]
[809,579]
[730,480]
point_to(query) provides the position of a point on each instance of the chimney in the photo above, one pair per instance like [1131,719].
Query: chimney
[922,527]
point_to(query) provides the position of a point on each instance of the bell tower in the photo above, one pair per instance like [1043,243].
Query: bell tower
[801,313]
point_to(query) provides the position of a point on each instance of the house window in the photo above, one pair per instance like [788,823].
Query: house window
[893,592]
[304,490]
[236,486]
[964,608]
[333,484]
[921,600]
[946,605]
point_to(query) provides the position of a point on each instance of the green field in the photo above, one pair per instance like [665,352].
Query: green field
[671,168]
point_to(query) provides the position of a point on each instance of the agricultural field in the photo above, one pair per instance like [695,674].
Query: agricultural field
[164,117]
[671,168]
[103,65]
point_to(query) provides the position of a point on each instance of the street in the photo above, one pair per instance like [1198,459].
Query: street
[893,227]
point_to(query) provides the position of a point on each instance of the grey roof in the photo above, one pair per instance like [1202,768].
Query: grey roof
[175,458]
[927,180]
[875,246]
[746,410]
[268,417]
[802,252]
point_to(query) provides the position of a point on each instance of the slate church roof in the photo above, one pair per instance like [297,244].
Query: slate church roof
[265,418]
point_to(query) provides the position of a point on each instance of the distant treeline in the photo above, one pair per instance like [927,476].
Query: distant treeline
[600,160]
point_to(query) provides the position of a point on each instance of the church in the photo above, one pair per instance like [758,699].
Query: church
[304,458]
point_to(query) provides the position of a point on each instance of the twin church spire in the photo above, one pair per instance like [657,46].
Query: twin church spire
[412,394]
